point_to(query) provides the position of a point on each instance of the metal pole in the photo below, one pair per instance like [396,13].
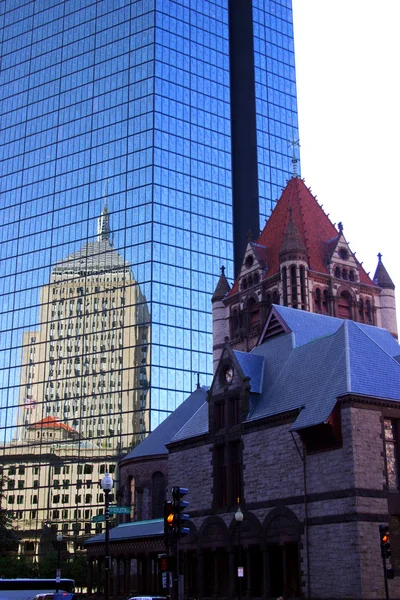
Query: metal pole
[58,564]
[107,547]
[386,579]
[240,562]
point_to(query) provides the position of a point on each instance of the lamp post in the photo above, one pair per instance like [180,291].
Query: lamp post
[107,485]
[58,573]
[239,519]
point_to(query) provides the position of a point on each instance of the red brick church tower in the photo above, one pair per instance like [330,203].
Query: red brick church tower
[302,261]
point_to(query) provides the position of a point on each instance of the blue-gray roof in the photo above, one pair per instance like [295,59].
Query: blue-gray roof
[155,442]
[130,531]
[309,326]
[309,368]
[252,366]
[315,374]
[197,425]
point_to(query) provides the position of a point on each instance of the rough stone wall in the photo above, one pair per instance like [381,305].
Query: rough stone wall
[142,472]
[343,528]
[386,313]
[192,468]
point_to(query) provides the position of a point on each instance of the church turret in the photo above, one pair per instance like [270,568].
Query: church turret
[294,267]
[220,317]
[387,301]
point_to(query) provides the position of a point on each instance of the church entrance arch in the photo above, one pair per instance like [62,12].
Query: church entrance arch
[282,537]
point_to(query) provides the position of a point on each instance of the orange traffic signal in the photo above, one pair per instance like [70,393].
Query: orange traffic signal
[385,541]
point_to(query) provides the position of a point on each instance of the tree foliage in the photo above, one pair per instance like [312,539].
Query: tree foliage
[8,539]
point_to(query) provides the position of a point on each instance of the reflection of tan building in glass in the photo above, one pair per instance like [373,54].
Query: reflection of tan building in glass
[84,394]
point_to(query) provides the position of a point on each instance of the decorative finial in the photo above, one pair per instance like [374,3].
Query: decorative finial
[198,381]
[340,227]
[379,256]
[249,235]
[222,270]
[292,144]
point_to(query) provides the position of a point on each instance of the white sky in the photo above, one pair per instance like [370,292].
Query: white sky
[348,81]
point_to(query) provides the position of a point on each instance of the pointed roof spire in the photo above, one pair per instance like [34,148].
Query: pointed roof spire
[222,288]
[382,277]
[103,227]
[292,144]
[292,241]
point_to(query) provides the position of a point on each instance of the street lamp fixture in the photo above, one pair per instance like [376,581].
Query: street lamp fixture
[239,519]
[58,573]
[107,485]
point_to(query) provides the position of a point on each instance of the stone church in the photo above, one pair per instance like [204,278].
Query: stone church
[299,429]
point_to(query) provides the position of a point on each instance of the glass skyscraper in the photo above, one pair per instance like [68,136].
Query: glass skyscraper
[140,141]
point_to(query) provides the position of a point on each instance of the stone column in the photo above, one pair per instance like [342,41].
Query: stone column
[232,574]
[248,569]
[127,575]
[200,573]
[265,574]
[90,576]
[216,579]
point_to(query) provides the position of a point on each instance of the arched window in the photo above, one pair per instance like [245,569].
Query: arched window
[234,323]
[325,302]
[368,312]
[131,497]
[352,277]
[284,286]
[293,284]
[344,274]
[361,310]
[337,272]
[303,287]
[275,297]
[318,300]
[253,312]
[344,306]
[158,494]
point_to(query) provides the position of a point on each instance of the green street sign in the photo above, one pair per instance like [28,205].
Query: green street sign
[120,510]
[98,518]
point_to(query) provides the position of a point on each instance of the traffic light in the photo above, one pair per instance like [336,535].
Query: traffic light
[179,505]
[390,573]
[166,564]
[169,521]
[385,541]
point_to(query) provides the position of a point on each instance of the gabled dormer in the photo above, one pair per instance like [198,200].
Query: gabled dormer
[253,267]
[228,395]
[341,262]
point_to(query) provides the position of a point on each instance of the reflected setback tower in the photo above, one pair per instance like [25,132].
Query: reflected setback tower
[184,109]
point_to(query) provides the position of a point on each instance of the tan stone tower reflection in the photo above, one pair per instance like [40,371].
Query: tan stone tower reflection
[84,395]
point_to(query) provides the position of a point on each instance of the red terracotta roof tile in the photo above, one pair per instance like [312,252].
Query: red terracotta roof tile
[51,422]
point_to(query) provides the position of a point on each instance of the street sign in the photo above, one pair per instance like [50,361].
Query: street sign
[58,575]
[240,572]
[98,518]
[120,510]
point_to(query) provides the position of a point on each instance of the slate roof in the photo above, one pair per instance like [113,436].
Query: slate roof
[309,368]
[222,288]
[312,225]
[154,443]
[253,367]
[382,277]
[196,425]
[131,531]
[308,326]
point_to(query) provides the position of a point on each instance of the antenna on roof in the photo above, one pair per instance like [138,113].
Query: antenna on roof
[198,381]
[293,143]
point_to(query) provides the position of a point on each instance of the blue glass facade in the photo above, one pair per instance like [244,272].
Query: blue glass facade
[125,104]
